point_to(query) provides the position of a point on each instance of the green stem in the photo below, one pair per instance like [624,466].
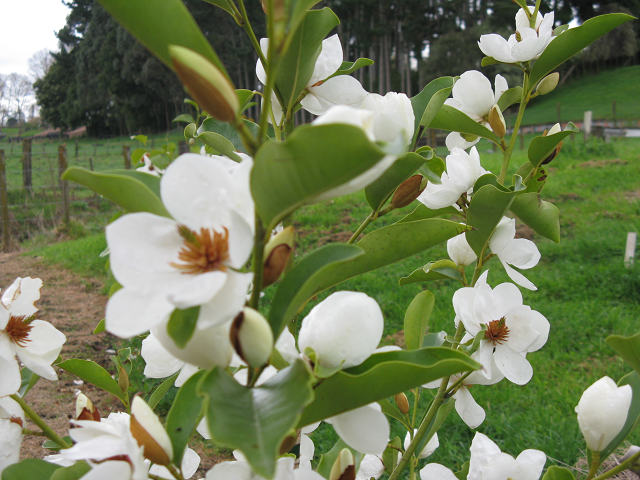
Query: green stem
[247,137]
[516,127]
[258,264]
[26,431]
[456,384]
[595,463]
[478,269]
[372,216]
[46,429]
[270,70]
[252,36]
[175,472]
[620,468]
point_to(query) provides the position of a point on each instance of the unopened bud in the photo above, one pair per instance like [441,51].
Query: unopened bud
[344,468]
[496,120]
[518,36]
[190,131]
[85,409]
[252,338]
[288,443]
[123,380]
[277,253]
[555,129]
[208,86]
[146,428]
[408,191]
[548,83]
[402,402]
[192,141]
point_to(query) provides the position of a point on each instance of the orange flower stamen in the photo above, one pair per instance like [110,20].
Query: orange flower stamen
[202,252]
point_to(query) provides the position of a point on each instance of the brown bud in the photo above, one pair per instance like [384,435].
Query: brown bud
[85,409]
[288,443]
[344,468]
[146,428]
[496,120]
[402,402]
[123,380]
[277,253]
[408,191]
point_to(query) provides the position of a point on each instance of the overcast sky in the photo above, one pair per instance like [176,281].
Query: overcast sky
[27,27]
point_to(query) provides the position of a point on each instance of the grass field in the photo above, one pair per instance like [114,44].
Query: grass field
[585,292]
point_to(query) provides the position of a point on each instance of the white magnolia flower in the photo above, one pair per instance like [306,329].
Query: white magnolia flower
[602,412]
[519,252]
[11,422]
[371,466]
[36,343]
[159,363]
[149,167]
[188,260]
[241,470]
[188,467]
[472,94]
[393,120]
[429,447]
[463,169]
[512,329]
[365,429]
[459,250]
[489,463]
[525,44]
[322,93]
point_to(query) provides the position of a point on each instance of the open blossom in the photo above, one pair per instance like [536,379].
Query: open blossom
[459,250]
[512,329]
[525,44]
[393,119]
[11,422]
[519,252]
[429,447]
[35,343]
[189,260]
[160,363]
[149,167]
[487,462]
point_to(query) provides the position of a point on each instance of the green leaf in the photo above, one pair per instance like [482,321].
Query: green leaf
[403,168]
[299,285]
[392,411]
[297,11]
[328,459]
[390,244]
[416,319]
[347,68]
[256,420]
[73,472]
[486,61]
[296,65]
[572,41]
[227,131]
[182,324]
[161,24]
[422,212]
[28,380]
[627,347]
[381,376]
[487,207]
[141,138]
[433,169]
[223,4]
[162,389]
[133,191]
[30,468]
[448,118]
[543,217]
[94,374]
[184,415]
[184,117]
[541,147]
[464,472]
[313,160]
[220,144]
[244,97]
[391,454]
[508,98]
[51,445]
[434,339]
[429,101]
[558,473]
[101,327]
[440,270]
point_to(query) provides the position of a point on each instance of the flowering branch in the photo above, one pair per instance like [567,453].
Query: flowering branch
[514,135]
[46,429]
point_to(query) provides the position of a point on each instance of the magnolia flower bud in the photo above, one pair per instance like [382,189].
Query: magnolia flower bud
[190,131]
[602,412]
[277,253]
[344,468]
[402,402]
[496,120]
[555,129]
[146,428]
[460,252]
[209,87]
[252,338]
[408,191]
[548,83]
[428,449]
[85,410]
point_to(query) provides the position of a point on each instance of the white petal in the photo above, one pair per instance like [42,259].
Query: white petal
[435,471]
[521,332]
[483,451]
[306,446]
[455,140]
[44,338]
[364,429]
[230,471]
[329,60]
[227,302]
[529,48]
[493,45]
[521,253]
[507,296]
[530,464]
[513,365]
[475,94]
[260,71]
[440,196]
[518,277]
[470,412]
[502,235]
[286,345]
[109,470]
[129,313]
[159,362]
[304,474]
[540,325]
[203,428]
[501,86]
[28,294]
[240,240]
[340,90]
[185,373]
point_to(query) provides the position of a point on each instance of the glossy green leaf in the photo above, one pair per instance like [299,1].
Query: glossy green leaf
[30,468]
[131,190]
[223,4]
[627,347]
[558,473]
[28,380]
[347,68]
[136,155]
[182,324]
[381,376]
[244,97]
[486,61]
[256,420]
[301,282]
[162,389]
[390,244]
[73,472]
[434,339]
[429,101]
[543,217]
[101,327]
[328,459]
[536,183]
[297,12]
[220,144]
[508,98]
[94,374]
[440,270]
[448,118]
[422,212]
[392,411]
[572,41]
[432,170]
[463,473]
[296,65]
[378,192]
[51,445]
[416,319]
[311,161]
[184,117]
[522,4]
[541,147]
[391,454]
[161,24]
[227,131]
[184,415]
[487,207]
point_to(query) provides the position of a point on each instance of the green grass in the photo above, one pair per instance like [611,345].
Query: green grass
[585,292]
[596,93]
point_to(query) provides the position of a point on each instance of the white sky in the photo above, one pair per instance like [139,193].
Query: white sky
[27,27]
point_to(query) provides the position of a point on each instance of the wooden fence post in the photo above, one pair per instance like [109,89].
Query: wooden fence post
[26,164]
[630,249]
[64,185]
[588,116]
[4,206]
[127,157]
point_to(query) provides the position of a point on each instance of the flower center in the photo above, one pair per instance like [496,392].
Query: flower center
[497,331]
[202,252]
[18,330]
